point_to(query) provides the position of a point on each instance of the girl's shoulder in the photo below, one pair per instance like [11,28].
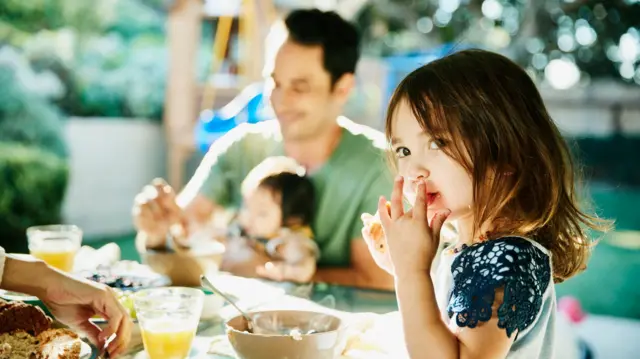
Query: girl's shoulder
[518,267]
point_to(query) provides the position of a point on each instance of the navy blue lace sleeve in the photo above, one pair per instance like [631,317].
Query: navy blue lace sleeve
[512,263]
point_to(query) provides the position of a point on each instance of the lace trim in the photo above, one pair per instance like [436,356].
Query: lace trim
[512,263]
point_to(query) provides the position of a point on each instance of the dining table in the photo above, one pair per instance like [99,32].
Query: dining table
[256,294]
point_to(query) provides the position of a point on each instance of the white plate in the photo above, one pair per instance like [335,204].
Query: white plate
[88,351]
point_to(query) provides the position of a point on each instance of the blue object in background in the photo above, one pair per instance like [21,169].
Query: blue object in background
[401,65]
[250,106]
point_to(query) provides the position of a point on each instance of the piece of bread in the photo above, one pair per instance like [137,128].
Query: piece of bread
[21,316]
[18,345]
[58,344]
[25,333]
[377,233]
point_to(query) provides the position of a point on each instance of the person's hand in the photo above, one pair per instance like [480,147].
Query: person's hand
[374,236]
[74,301]
[280,271]
[412,242]
[156,213]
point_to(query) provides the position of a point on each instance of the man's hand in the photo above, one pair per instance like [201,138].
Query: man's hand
[156,213]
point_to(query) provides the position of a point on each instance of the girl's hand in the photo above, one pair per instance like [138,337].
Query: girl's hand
[412,242]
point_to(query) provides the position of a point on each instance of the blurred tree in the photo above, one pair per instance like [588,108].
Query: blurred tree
[109,54]
[599,37]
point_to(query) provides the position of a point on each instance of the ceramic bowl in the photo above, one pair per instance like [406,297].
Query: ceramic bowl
[185,268]
[324,344]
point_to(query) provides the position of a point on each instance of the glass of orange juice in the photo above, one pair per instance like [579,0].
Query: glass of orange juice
[168,319]
[56,244]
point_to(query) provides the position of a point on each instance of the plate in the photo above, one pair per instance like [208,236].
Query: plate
[88,351]
[126,276]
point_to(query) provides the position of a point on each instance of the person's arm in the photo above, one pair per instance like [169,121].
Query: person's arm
[29,276]
[424,327]
[157,207]
[484,322]
[72,301]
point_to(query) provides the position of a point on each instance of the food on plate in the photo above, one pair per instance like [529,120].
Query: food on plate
[126,275]
[26,333]
[21,316]
[377,233]
[126,299]
[118,281]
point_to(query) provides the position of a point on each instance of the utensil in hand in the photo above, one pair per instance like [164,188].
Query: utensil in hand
[207,283]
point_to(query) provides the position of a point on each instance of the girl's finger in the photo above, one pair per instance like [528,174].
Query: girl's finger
[397,209]
[383,212]
[420,205]
[436,223]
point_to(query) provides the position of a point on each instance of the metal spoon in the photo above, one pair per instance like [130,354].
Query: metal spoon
[207,283]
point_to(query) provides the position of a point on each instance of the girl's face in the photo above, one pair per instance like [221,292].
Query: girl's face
[449,186]
[261,214]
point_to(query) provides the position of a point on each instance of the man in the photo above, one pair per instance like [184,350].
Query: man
[72,301]
[312,78]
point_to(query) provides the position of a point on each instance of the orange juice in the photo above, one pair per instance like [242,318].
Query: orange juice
[61,259]
[167,344]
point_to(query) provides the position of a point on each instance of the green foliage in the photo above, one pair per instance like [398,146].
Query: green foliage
[33,168]
[109,54]
[33,183]
[28,119]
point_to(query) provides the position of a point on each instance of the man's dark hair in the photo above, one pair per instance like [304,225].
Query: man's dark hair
[338,38]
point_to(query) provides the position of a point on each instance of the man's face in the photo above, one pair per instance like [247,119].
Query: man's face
[302,97]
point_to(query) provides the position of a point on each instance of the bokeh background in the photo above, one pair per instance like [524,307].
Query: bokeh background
[99,97]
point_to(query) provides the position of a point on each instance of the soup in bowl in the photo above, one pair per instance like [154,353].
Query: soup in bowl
[288,334]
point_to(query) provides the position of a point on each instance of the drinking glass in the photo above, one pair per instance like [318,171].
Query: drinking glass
[168,319]
[55,244]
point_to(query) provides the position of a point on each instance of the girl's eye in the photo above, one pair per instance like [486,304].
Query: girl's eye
[436,144]
[402,152]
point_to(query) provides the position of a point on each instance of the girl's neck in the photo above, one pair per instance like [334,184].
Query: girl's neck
[466,233]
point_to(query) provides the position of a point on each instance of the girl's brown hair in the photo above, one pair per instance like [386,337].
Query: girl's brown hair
[495,124]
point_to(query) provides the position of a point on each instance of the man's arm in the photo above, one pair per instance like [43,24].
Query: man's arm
[158,207]
[363,273]
[197,213]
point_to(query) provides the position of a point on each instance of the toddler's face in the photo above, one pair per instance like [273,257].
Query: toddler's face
[449,186]
[261,214]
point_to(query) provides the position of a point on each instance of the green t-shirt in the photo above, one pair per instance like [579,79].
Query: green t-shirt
[346,186]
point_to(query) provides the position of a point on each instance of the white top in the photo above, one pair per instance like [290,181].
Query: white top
[465,283]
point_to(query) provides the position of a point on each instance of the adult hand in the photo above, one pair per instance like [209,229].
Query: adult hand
[74,301]
[156,213]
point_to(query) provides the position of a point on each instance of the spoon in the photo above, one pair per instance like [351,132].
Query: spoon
[207,283]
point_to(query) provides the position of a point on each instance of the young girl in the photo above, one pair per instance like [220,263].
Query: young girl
[275,223]
[474,144]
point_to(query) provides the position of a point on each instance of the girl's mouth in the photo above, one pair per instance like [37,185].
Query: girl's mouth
[432,197]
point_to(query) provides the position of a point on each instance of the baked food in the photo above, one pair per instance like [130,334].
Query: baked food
[58,344]
[26,333]
[377,233]
[21,316]
[18,345]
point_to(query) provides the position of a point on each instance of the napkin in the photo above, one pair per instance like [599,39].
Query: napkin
[89,259]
